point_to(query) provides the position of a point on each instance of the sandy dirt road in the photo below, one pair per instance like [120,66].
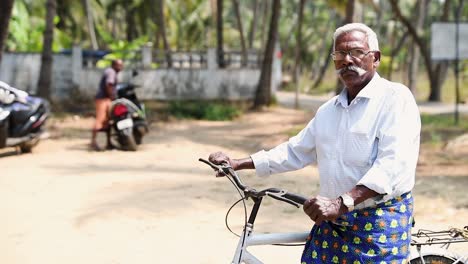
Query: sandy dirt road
[64,204]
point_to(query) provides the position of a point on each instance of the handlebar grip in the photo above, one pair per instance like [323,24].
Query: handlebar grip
[295,197]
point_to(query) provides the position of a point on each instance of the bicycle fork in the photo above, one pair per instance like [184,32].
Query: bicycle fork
[242,255]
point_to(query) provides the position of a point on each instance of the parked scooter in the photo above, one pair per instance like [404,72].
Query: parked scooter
[22,118]
[127,118]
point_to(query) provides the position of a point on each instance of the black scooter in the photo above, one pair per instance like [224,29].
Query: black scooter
[127,119]
[22,118]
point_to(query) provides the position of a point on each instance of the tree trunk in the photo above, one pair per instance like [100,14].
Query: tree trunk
[325,51]
[349,12]
[323,69]
[266,8]
[162,32]
[434,73]
[286,40]
[235,4]
[5,14]
[298,41]
[263,94]
[90,21]
[440,69]
[130,21]
[253,25]
[414,50]
[395,51]
[219,33]
[348,19]
[45,76]
[157,12]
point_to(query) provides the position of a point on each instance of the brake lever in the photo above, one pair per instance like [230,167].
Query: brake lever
[225,168]
[281,198]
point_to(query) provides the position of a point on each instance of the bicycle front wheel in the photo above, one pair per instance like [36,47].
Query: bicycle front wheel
[433,259]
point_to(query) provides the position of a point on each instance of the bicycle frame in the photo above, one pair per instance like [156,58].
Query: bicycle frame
[419,250]
[242,255]
[248,238]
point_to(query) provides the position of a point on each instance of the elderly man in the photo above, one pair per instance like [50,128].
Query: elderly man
[365,142]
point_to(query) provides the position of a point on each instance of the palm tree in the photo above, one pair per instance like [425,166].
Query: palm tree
[162,32]
[5,13]
[45,76]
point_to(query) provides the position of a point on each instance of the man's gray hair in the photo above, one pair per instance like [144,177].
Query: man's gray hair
[371,36]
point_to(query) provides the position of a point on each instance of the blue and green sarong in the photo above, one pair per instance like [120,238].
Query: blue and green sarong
[379,234]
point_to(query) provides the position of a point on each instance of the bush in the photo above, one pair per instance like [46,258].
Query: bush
[203,110]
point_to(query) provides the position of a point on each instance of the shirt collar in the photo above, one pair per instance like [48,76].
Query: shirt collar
[369,91]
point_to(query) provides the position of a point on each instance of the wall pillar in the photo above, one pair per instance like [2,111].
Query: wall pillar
[77,65]
[146,56]
[211,61]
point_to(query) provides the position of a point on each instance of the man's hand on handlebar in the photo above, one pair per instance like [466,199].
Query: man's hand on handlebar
[220,158]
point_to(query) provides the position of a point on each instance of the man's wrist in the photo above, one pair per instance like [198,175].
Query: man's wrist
[241,164]
[347,202]
[234,163]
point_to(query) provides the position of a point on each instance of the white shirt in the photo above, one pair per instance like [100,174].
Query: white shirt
[374,142]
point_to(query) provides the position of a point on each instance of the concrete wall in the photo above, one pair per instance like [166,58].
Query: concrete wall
[21,70]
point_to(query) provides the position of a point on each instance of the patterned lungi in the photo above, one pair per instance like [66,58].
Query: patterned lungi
[379,234]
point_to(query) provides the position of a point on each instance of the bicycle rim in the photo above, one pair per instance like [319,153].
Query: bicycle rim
[433,259]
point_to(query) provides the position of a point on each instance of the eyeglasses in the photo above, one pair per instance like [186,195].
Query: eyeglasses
[354,53]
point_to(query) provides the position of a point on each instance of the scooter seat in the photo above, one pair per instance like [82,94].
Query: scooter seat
[21,112]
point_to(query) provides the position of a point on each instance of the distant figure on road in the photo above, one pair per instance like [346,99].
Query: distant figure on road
[365,142]
[104,96]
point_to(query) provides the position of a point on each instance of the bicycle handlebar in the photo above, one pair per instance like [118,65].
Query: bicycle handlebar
[278,194]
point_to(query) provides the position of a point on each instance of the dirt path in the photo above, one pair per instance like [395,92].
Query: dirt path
[63,204]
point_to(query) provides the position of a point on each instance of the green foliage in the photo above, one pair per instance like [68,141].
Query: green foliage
[26,38]
[202,110]
[443,121]
[23,37]
[191,25]
[384,65]
[441,128]
[128,51]
[188,24]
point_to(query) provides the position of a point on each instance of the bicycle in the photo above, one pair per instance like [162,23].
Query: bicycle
[424,254]
[425,240]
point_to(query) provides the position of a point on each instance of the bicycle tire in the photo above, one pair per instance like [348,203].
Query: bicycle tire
[433,259]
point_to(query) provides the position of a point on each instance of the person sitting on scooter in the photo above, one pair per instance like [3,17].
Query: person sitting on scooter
[104,96]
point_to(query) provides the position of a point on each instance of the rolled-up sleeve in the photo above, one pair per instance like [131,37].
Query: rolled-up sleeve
[260,160]
[296,153]
[393,170]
